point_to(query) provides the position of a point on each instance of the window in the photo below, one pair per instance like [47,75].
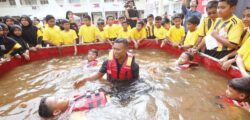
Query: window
[12,2]
[28,2]
[2,0]
[74,1]
[43,2]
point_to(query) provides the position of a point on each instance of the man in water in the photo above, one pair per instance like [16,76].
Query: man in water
[121,67]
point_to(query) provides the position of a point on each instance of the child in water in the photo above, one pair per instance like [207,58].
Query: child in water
[61,108]
[91,58]
[186,61]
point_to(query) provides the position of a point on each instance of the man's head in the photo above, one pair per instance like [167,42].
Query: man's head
[121,19]
[150,19]
[177,20]
[110,20]
[246,17]
[125,25]
[120,48]
[185,58]
[192,23]
[193,5]
[100,24]
[238,89]
[166,23]
[226,8]
[92,54]
[139,25]
[211,9]
[50,107]
[50,20]
[65,24]
[87,20]
[158,21]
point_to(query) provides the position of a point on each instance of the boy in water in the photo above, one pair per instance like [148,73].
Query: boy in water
[186,60]
[91,58]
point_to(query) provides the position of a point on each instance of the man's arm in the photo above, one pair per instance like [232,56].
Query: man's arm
[183,7]
[135,70]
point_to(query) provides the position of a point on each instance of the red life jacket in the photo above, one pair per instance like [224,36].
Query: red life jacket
[87,102]
[231,101]
[125,71]
[188,65]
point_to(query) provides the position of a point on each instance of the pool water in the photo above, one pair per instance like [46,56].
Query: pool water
[162,93]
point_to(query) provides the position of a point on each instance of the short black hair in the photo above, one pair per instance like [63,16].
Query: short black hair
[190,56]
[150,16]
[157,18]
[194,20]
[240,85]
[176,16]
[87,17]
[100,22]
[121,17]
[141,23]
[247,8]
[44,110]
[125,22]
[94,51]
[109,17]
[49,17]
[123,41]
[165,21]
[212,4]
[230,2]
[64,21]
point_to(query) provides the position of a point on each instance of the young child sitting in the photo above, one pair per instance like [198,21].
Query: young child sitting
[186,61]
[91,58]
[52,108]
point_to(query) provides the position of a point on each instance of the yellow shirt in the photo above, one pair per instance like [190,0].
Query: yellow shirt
[111,31]
[160,33]
[69,37]
[120,28]
[103,35]
[123,34]
[205,26]
[176,34]
[245,35]
[88,33]
[231,29]
[150,31]
[191,38]
[52,35]
[136,35]
[244,51]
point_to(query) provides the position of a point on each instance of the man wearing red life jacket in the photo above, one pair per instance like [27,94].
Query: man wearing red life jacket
[120,67]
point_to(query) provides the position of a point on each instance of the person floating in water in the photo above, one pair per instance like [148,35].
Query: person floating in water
[91,58]
[120,67]
[186,61]
[51,108]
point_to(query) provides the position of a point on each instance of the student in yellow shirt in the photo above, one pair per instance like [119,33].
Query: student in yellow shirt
[69,36]
[150,27]
[88,32]
[102,35]
[124,33]
[192,34]
[177,32]
[138,34]
[120,27]
[166,26]
[159,31]
[243,59]
[51,34]
[111,29]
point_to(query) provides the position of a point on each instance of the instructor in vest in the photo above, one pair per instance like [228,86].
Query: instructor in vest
[120,67]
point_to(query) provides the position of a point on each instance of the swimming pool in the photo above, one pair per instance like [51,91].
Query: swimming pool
[164,93]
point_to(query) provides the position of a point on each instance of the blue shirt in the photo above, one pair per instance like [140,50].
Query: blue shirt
[188,13]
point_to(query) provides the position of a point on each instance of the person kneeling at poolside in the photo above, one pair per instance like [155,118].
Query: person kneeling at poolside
[186,60]
[53,108]
[91,58]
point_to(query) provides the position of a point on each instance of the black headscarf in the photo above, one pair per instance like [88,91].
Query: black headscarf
[29,32]
[18,39]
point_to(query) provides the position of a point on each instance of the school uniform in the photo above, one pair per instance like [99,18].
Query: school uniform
[136,35]
[52,35]
[176,34]
[88,33]
[191,38]
[68,37]
[244,51]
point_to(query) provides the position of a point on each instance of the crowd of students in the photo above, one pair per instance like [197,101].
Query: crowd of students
[231,34]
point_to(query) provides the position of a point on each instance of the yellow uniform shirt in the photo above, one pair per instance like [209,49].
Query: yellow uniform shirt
[52,35]
[111,31]
[123,34]
[160,33]
[135,34]
[103,35]
[150,31]
[120,28]
[231,29]
[245,35]
[244,51]
[69,37]
[175,34]
[88,33]
[205,26]
[191,38]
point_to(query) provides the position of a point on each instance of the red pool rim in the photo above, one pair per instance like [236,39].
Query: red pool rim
[208,62]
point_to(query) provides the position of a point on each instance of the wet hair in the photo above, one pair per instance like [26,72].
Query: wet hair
[49,17]
[230,2]
[67,14]
[190,56]
[212,4]
[94,51]
[100,22]
[44,110]
[64,21]
[141,23]
[158,18]
[123,41]
[194,20]
[109,17]
[240,85]
[150,16]
[176,16]
[165,21]
[87,17]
